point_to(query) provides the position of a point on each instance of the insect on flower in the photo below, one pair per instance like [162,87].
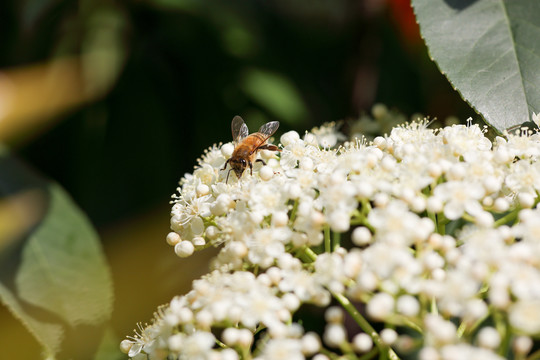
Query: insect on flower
[247,146]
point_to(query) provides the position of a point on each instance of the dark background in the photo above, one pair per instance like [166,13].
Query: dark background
[186,68]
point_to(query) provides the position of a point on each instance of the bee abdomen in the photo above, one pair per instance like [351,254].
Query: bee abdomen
[259,136]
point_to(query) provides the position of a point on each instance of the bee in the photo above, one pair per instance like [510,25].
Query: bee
[247,146]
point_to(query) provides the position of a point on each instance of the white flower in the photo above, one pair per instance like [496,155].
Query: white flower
[408,305]
[303,285]
[289,138]
[489,337]
[522,344]
[459,197]
[461,139]
[466,351]
[524,178]
[395,224]
[525,316]
[184,248]
[329,272]
[282,349]
[429,229]
[334,314]
[267,197]
[327,135]
[334,334]
[524,146]
[361,236]
[187,213]
[196,346]
[311,343]
[389,336]
[439,330]
[267,245]
[362,342]
[381,306]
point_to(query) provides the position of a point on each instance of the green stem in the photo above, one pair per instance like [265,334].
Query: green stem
[337,240]
[361,221]
[293,213]
[246,353]
[433,218]
[369,355]
[433,306]
[221,345]
[348,351]
[471,328]
[409,322]
[366,326]
[441,224]
[507,219]
[366,207]
[461,330]
[384,349]
[501,326]
[302,254]
[468,218]
[210,221]
[310,254]
[327,239]
[330,354]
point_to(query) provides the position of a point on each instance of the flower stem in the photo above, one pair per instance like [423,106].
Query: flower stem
[433,218]
[360,320]
[369,355]
[441,224]
[327,239]
[502,328]
[506,219]
[310,254]
[365,325]
[292,217]
[337,240]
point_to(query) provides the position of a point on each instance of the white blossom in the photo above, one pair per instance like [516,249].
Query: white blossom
[433,230]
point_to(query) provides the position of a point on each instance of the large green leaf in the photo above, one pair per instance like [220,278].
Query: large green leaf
[490,52]
[63,268]
[53,273]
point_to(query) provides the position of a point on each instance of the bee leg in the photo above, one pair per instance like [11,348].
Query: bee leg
[250,168]
[261,160]
[224,167]
[270,147]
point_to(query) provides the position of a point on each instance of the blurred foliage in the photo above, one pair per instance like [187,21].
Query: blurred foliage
[190,66]
[127,95]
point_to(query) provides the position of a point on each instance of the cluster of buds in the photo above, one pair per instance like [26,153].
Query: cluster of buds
[422,243]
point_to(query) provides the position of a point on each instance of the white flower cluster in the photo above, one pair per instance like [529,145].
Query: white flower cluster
[431,235]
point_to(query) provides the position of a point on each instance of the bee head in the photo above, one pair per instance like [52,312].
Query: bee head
[238,165]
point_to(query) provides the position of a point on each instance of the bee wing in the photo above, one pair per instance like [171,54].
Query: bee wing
[266,131]
[269,129]
[239,129]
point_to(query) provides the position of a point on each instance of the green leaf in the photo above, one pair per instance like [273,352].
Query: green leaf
[276,93]
[490,52]
[53,273]
[63,268]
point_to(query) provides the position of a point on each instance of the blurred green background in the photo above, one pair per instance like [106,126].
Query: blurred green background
[141,88]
